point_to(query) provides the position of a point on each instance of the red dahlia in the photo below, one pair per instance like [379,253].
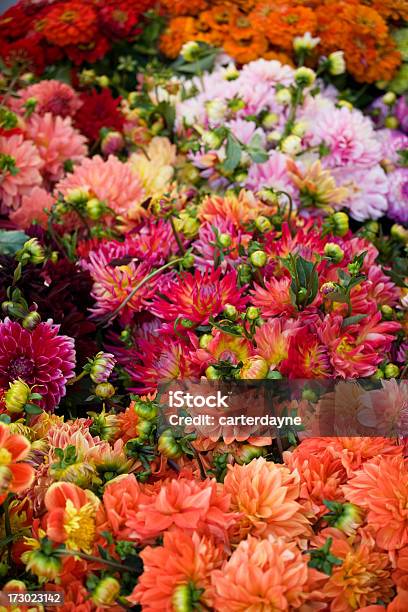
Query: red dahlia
[99,110]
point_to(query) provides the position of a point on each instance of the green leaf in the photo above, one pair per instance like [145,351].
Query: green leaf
[11,241]
[33,409]
[233,152]
[353,320]
[256,151]
[168,112]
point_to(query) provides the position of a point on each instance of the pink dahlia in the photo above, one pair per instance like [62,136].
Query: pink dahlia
[57,142]
[267,71]
[198,297]
[114,282]
[349,136]
[50,96]
[110,181]
[32,208]
[398,195]
[20,165]
[392,142]
[273,173]
[367,191]
[209,253]
[41,358]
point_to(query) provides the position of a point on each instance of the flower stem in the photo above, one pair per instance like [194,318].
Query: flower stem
[8,530]
[176,236]
[81,555]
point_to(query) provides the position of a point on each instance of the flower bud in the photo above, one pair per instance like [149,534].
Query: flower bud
[225,240]
[230,312]
[345,104]
[387,312]
[17,396]
[247,452]
[270,120]
[263,224]
[254,368]
[252,313]
[190,51]
[112,143]
[283,96]
[399,233]
[230,72]
[349,518]
[391,122]
[212,373]
[31,320]
[146,410]
[212,140]
[305,77]
[328,288]
[143,428]
[186,323]
[292,145]
[340,224]
[32,252]
[205,340]
[391,370]
[378,374]
[77,196]
[103,80]
[188,261]
[334,252]
[274,375]
[216,110]
[45,567]
[244,273]
[305,43]
[258,259]
[105,390]
[101,367]
[182,598]
[95,209]
[389,98]
[168,445]
[106,591]
[336,63]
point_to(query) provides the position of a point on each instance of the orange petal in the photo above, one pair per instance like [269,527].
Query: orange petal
[23,476]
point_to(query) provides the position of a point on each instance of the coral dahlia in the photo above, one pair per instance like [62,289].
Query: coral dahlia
[20,167]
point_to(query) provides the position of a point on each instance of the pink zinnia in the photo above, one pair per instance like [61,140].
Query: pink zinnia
[111,181]
[57,142]
[198,297]
[41,358]
[32,208]
[20,166]
[50,96]
[349,136]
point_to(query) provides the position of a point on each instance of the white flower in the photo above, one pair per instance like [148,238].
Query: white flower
[336,63]
[305,42]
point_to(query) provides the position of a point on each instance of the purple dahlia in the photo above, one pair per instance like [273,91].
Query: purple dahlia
[41,358]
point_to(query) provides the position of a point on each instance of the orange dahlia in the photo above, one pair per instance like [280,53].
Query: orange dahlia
[363,578]
[391,9]
[267,495]
[381,487]
[238,209]
[179,31]
[176,571]
[70,23]
[269,575]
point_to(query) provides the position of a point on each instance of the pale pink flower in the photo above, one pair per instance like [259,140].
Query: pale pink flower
[110,181]
[267,71]
[51,97]
[367,191]
[32,208]
[57,142]
[273,173]
[349,136]
[20,166]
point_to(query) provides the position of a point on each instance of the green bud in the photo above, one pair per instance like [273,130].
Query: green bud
[188,261]
[230,312]
[340,223]
[387,312]
[205,340]
[244,273]
[252,313]
[212,373]
[32,252]
[391,370]
[106,592]
[17,396]
[95,209]
[225,240]
[334,252]
[263,224]
[31,320]
[391,122]
[168,446]
[258,259]
[105,390]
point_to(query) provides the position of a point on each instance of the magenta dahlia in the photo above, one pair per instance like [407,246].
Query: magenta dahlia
[41,358]
[198,297]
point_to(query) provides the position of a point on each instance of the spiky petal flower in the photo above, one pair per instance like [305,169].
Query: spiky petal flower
[32,208]
[198,297]
[20,167]
[41,358]
[398,195]
[15,475]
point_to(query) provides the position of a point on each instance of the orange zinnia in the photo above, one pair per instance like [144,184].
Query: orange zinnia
[178,31]
[282,27]
[183,7]
[267,495]
[70,23]
[381,487]
[15,476]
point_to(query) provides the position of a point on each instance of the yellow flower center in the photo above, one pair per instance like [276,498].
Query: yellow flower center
[5,456]
[79,526]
